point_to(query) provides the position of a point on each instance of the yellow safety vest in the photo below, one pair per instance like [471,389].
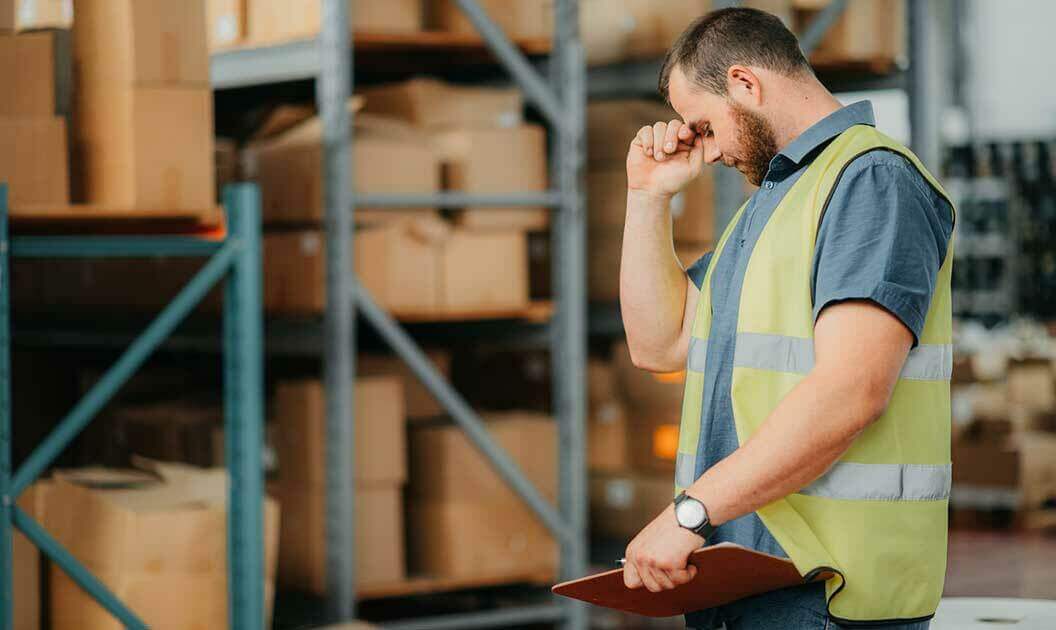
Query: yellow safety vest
[878,517]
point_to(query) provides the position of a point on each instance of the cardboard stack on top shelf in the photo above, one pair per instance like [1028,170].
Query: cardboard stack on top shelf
[143,107]
[414,262]
[380,472]
[275,21]
[32,125]
[633,437]
[611,126]
[467,523]
[873,31]
[1004,434]
[158,541]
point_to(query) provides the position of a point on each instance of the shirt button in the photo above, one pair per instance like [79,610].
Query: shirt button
[769,185]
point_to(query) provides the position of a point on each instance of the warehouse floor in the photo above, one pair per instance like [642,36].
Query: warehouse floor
[1001,564]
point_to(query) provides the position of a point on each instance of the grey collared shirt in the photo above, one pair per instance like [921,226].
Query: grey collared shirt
[883,238]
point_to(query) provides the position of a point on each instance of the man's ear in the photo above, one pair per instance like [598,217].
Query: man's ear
[743,86]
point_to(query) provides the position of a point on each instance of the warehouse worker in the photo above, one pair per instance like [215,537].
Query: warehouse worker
[815,337]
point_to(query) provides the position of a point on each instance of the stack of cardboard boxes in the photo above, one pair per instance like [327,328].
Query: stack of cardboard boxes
[467,523]
[22,15]
[417,137]
[158,541]
[870,32]
[32,124]
[143,115]
[633,437]
[379,475]
[1004,444]
[611,126]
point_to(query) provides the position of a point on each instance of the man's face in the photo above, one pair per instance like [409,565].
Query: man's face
[732,133]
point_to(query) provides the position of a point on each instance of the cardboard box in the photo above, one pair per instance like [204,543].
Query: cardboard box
[429,102]
[446,466]
[467,521]
[608,434]
[159,545]
[622,504]
[399,269]
[119,133]
[610,29]
[226,23]
[379,536]
[651,392]
[474,540]
[692,209]
[26,563]
[1017,473]
[27,67]
[20,15]
[418,402]
[140,43]
[380,437]
[413,268]
[272,21]
[495,161]
[781,8]
[866,31]
[387,157]
[34,161]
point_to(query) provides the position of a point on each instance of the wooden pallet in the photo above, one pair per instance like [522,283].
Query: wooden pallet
[423,585]
[102,219]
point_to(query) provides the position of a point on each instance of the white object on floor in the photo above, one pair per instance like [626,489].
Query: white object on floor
[994,613]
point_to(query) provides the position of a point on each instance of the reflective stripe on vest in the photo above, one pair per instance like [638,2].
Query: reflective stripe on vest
[933,362]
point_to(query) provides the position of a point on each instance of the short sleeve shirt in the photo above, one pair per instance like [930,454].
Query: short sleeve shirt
[882,238]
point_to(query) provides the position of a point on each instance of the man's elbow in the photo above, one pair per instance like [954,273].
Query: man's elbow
[650,361]
[873,400]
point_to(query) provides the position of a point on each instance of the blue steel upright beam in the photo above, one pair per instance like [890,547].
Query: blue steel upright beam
[6,501]
[244,411]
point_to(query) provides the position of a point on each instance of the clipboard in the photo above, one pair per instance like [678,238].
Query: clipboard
[725,572]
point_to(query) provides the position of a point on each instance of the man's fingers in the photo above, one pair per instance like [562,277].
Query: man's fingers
[682,576]
[659,133]
[671,135]
[631,579]
[685,133]
[645,139]
[649,579]
[664,579]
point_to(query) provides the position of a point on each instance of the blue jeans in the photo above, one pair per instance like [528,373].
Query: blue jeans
[795,608]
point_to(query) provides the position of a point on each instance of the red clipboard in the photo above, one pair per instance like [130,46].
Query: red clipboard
[725,572]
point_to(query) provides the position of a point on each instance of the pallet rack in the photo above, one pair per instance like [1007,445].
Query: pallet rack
[559,95]
[235,258]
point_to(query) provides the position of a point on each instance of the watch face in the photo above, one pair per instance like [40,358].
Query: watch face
[690,513]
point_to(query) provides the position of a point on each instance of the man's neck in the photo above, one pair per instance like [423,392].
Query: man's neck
[804,105]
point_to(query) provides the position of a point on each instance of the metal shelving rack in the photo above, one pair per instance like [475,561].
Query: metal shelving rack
[236,258]
[560,97]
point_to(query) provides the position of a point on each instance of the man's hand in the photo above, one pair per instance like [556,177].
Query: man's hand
[657,557]
[663,158]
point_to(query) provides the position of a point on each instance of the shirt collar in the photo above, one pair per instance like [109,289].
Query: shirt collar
[860,113]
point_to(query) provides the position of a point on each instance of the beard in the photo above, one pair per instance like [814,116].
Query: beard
[758,143]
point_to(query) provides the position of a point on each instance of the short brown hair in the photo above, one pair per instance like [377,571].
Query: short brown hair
[735,36]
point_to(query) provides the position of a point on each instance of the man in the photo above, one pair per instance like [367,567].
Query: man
[815,338]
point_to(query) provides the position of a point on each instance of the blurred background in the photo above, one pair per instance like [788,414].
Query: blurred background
[432,391]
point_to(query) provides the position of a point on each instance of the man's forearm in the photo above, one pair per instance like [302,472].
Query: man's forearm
[652,282]
[804,435]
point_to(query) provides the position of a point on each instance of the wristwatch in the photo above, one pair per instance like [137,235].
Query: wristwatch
[692,515]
